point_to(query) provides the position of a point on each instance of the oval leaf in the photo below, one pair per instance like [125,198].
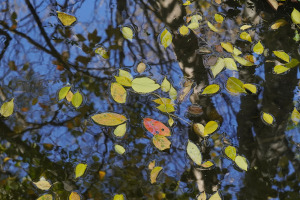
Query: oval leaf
[230,152]
[212,27]
[119,149]
[194,153]
[77,99]
[244,27]
[267,118]
[173,93]
[219,18]
[258,48]
[156,127]
[102,52]
[43,184]
[63,92]
[74,196]
[168,108]
[154,173]
[295,16]
[278,24]
[242,61]
[218,67]
[207,164]
[161,142]
[183,30]
[109,119]
[282,55]
[211,89]
[199,129]
[127,33]
[119,197]
[144,85]
[69,96]
[141,67]
[230,64]
[7,108]
[120,130]
[165,38]
[45,197]
[66,19]
[118,92]
[245,36]
[227,46]
[279,69]
[234,85]
[80,169]
[252,88]
[210,127]
[165,85]
[295,116]
[170,121]
[241,162]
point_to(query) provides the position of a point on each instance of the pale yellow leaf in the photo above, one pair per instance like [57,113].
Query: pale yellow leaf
[144,85]
[242,61]
[282,55]
[193,25]
[120,130]
[252,88]
[161,142]
[234,85]
[183,30]
[151,165]
[295,16]
[173,93]
[199,129]
[63,92]
[168,108]
[279,69]
[170,121]
[218,67]
[77,99]
[154,173]
[7,108]
[43,184]
[245,36]
[118,92]
[119,197]
[69,96]
[194,153]
[119,149]
[278,24]
[210,128]
[230,152]
[268,118]
[230,64]
[202,196]
[163,101]
[102,52]
[109,119]
[127,33]
[211,89]
[218,1]
[244,27]
[123,81]
[65,19]
[215,196]
[141,67]
[227,46]
[258,48]
[165,38]
[212,27]
[207,164]
[295,116]
[165,85]
[74,196]
[241,162]
[46,197]
[80,169]
[236,51]
[219,18]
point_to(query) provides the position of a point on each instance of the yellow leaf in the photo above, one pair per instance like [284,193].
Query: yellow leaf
[293,63]
[119,197]
[80,169]
[77,99]
[207,164]
[219,18]
[258,48]
[118,92]
[168,108]
[215,196]
[234,85]
[165,38]
[144,85]
[154,173]
[295,116]
[163,101]
[202,196]
[279,69]
[194,153]
[267,118]
[74,196]
[218,1]
[250,58]
[242,61]
[66,19]
[187,87]
[211,89]
[218,67]
[151,165]
[7,108]
[119,149]
[244,27]
[141,67]
[212,27]
[171,121]
[199,129]
[102,175]
[193,25]
[6,159]
[43,184]
[187,3]
[252,88]
[210,127]
[282,55]
[295,16]
[165,85]
[123,73]
[227,46]
[278,24]
[45,197]
[245,36]
[236,51]
[69,96]
[230,152]
[102,52]
[123,81]
[173,93]
[63,92]
[196,18]
[120,130]
[109,119]
[230,64]
[241,162]
[127,33]
[161,142]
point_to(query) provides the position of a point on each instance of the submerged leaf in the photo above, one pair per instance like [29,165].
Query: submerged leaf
[118,92]
[163,101]
[295,116]
[80,169]
[124,73]
[161,142]
[102,52]
[210,128]
[212,27]
[295,16]
[279,69]
[165,38]
[65,19]
[234,85]
[144,85]
[245,36]
[211,89]
[119,149]
[230,152]
[7,108]
[156,127]
[166,108]
[165,85]
[267,118]
[173,93]
[127,33]
[218,67]
[241,162]
[120,130]
[282,55]
[258,48]
[123,81]
[154,173]
[77,99]
[194,153]
[109,119]
[252,88]
[278,23]
[63,92]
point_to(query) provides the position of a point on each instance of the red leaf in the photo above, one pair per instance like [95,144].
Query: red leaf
[156,127]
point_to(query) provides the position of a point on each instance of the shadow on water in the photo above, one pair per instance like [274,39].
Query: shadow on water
[47,137]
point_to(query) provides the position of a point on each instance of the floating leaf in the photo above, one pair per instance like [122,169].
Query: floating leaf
[102,175]
[267,118]
[219,18]
[210,127]
[120,130]
[278,23]
[66,19]
[123,81]
[183,30]
[244,27]
[241,162]
[215,196]
[245,36]
[173,93]
[154,173]
[144,85]
[43,184]
[118,92]
[295,16]
[77,99]
[236,52]
[63,92]
[163,101]
[151,165]
[168,108]
[80,169]
[194,153]
[282,55]
[242,61]
[45,197]
[212,27]
[141,67]
[207,164]
[7,108]
[252,88]
[218,67]
[234,85]
[227,46]
[161,142]
[258,48]
[199,129]
[279,69]
[156,127]
[230,152]
[295,116]
[127,33]
[109,119]
[69,96]
[202,196]
[170,121]
[165,85]
[211,89]
[293,63]
[250,58]
[119,149]
[124,73]
[74,196]
[165,38]
[119,197]
[102,52]
[230,64]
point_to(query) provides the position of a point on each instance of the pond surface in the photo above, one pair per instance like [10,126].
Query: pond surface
[53,147]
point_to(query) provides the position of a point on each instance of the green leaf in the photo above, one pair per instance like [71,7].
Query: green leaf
[127,33]
[194,153]
[170,121]
[154,173]
[241,162]
[80,169]
[207,164]
[234,85]
[165,38]
[218,67]
[124,73]
[109,119]
[77,99]
[230,152]
[119,149]
[295,16]
[244,27]
[144,85]
[63,92]
[7,108]
[163,101]
[282,55]
[212,27]
[120,130]
[165,85]
[211,89]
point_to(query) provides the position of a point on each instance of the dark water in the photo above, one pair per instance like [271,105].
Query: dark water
[45,137]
